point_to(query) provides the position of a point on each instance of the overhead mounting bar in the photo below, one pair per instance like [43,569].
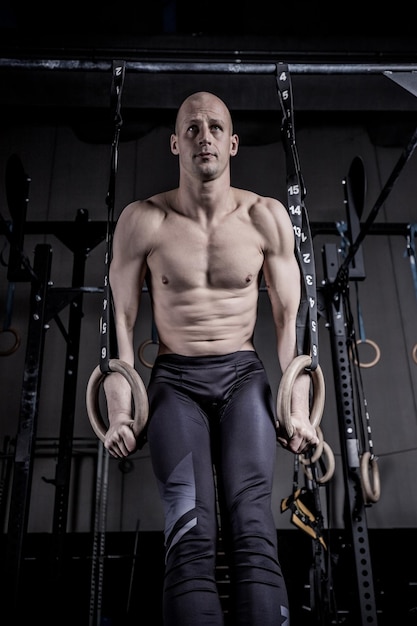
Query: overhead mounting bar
[205,67]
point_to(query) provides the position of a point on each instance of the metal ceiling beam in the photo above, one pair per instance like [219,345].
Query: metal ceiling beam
[205,67]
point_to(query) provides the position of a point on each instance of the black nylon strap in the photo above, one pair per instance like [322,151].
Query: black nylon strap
[107,333]
[307,329]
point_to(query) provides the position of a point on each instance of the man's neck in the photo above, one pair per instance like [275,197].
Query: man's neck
[213,197]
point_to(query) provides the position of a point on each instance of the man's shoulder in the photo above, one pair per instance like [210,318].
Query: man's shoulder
[157,204]
[256,202]
[144,216]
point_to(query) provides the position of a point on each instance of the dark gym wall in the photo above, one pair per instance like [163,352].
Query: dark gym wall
[68,174]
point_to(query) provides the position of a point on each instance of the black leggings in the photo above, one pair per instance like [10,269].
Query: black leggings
[205,412]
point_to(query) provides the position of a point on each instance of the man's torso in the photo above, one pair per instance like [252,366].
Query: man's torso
[205,282]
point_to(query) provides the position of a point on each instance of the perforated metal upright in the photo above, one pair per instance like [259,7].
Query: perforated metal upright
[46,302]
[25,439]
[364,610]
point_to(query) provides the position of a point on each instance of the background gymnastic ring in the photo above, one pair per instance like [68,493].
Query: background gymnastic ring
[370,494]
[305,460]
[414,353]
[141,351]
[140,397]
[330,469]
[16,344]
[377,353]
[298,365]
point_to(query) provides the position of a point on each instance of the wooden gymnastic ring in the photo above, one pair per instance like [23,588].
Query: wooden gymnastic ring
[330,467]
[414,353]
[377,353]
[298,365]
[305,460]
[139,395]
[16,343]
[371,493]
[141,351]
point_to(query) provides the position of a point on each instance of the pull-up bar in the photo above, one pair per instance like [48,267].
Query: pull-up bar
[237,66]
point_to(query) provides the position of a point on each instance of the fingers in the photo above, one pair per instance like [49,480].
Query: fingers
[120,440]
[302,440]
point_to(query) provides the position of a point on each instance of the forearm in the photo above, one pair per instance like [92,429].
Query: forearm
[301,434]
[117,388]
[118,398]
[287,352]
[120,438]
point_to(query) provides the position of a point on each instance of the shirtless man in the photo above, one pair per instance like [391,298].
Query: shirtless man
[202,248]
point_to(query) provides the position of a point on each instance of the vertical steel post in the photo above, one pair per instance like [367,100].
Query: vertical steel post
[364,611]
[26,436]
[66,434]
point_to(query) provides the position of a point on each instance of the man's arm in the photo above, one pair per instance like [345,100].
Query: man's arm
[283,282]
[127,275]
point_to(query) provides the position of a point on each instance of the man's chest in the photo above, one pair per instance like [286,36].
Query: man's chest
[228,257]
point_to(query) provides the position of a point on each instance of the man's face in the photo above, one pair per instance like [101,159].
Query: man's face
[203,138]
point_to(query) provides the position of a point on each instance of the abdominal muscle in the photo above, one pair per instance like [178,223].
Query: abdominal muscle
[206,321]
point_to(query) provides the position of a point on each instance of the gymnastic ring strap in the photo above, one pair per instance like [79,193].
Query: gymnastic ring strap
[108,337]
[298,365]
[16,343]
[139,395]
[331,464]
[306,323]
[375,360]
[369,467]
[141,352]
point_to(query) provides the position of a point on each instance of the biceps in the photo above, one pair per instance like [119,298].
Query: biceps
[126,280]
[282,278]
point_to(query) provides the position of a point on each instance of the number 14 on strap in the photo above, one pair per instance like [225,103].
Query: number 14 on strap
[307,328]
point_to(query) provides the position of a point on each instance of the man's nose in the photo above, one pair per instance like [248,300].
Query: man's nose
[204,134]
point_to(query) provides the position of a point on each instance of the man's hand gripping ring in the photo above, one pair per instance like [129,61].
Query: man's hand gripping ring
[139,395]
[296,367]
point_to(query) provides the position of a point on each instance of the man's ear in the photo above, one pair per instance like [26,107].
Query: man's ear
[234,146]
[173,141]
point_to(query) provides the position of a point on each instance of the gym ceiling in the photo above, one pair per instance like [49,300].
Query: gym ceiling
[349,64]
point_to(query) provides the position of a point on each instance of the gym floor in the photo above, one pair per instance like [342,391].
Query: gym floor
[125,588]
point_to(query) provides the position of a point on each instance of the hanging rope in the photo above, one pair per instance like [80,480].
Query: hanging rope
[306,324]
[107,363]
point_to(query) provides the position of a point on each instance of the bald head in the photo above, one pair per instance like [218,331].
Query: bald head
[204,101]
